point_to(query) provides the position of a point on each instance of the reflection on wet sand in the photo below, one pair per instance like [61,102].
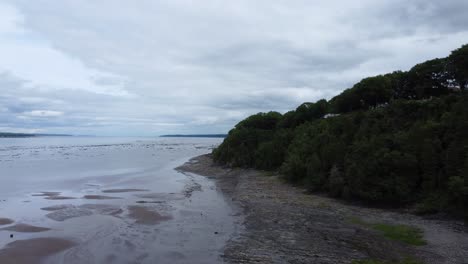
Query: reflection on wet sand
[5,221]
[124,190]
[56,207]
[53,196]
[47,194]
[99,197]
[59,198]
[32,251]
[145,216]
[162,196]
[25,228]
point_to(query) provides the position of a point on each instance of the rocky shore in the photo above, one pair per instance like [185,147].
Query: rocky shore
[284,224]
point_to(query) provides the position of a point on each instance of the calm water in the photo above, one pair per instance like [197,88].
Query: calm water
[27,164]
[199,219]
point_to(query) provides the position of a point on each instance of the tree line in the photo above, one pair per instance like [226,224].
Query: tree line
[396,139]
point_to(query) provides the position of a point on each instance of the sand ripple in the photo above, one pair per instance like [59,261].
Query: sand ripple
[65,212]
[103,209]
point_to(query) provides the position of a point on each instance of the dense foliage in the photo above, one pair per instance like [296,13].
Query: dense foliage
[397,139]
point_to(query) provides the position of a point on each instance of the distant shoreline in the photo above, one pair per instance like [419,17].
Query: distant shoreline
[26,135]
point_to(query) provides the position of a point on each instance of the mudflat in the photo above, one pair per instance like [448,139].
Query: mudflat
[5,221]
[53,196]
[99,197]
[124,190]
[284,224]
[57,209]
[146,216]
[25,228]
[32,251]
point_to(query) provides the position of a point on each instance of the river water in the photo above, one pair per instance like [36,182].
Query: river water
[118,200]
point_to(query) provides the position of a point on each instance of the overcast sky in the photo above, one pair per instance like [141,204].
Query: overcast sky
[149,67]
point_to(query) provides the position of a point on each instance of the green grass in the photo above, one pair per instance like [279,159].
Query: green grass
[404,233]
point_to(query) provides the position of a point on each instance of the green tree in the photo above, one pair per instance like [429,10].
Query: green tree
[458,60]
[398,139]
[429,78]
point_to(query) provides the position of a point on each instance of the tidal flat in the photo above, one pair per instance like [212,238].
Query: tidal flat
[119,200]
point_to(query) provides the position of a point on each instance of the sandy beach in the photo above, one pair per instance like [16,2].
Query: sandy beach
[283,224]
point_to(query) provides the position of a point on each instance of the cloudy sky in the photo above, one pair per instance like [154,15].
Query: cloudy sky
[149,67]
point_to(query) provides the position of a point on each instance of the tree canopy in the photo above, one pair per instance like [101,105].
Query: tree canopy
[396,139]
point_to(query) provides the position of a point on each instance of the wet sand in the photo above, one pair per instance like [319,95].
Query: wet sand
[25,228]
[162,196]
[64,212]
[68,213]
[53,196]
[103,209]
[124,190]
[32,251]
[58,197]
[6,221]
[114,204]
[100,197]
[173,229]
[146,216]
[47,194]
[56,207]
[189,226]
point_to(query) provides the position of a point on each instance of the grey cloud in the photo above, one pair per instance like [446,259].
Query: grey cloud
[283,62]
[389,19]
[443,16]
[173,66]
[282,99]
